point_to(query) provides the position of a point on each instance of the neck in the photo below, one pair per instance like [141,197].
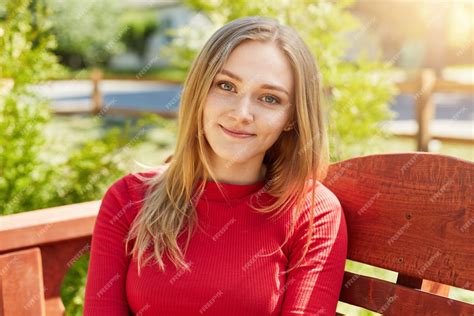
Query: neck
[238,173]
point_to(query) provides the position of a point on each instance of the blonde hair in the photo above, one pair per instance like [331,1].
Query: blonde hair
[294,162]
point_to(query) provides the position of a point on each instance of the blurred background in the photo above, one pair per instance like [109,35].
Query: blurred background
[89,90]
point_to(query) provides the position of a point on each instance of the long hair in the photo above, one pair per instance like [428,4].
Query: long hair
[294,162]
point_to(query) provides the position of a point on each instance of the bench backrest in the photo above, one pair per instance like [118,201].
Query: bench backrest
[412,213]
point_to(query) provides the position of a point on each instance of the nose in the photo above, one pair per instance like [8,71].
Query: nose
[242,111]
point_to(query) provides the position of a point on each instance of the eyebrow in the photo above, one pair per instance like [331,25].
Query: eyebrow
[265,86]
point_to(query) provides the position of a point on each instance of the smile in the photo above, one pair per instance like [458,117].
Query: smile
[236,135]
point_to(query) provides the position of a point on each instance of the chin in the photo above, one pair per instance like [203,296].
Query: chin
[233,159]
[233,156]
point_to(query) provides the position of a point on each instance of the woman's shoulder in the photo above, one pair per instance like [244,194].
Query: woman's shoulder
[324,193]
[135,180]
[325,200]
[126,194]
[325,212]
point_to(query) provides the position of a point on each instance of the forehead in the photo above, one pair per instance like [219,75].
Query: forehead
[259,63]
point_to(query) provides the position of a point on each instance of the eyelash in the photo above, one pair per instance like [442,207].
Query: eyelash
[277,100]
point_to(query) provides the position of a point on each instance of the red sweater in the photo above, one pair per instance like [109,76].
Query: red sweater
[229,273]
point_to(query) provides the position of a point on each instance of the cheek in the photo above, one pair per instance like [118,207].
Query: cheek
[275,121]
[214,106]
[271,126]
[210,112]
[212,115]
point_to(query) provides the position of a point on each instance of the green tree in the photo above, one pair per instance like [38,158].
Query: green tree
[29,179]
[359,90]
[139,28]
[25,58]
[88,32]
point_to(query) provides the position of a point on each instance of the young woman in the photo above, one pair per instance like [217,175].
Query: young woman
[236,222]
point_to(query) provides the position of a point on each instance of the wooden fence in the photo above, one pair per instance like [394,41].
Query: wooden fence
[422,87]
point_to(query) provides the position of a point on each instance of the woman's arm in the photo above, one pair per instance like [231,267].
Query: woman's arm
[313,288]
[105,287]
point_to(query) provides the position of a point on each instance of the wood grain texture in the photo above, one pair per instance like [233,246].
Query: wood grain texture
[58,258]
[21,284]
[412,213]
[55,224]
[387,298]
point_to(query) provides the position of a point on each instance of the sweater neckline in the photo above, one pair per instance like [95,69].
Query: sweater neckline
[230,191]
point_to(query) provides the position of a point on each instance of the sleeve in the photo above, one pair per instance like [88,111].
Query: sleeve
[313,287]
[105,285]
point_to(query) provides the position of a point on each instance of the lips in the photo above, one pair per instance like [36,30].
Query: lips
[236,132]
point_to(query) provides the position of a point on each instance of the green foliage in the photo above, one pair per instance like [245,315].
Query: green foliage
[74,286]
[22,117]
[186,43]
[139,27]
[88,32]
[361,90]
[25,58]
[85,176]
[26,42]
[89,170]
[359,104]
[30,175]
[28,180]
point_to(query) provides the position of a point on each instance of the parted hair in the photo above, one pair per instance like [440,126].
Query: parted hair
[294,162]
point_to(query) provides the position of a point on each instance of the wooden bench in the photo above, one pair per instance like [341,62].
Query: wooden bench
[412,213]
[47,241]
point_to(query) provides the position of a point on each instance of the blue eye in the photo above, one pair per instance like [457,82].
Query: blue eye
[274,98]
[224,82]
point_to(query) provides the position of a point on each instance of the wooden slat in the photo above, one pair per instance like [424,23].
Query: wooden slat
[411,212]
[97,99]
[424,107]
[58,258]
[47,226]
[407,86]
[458,139]
[424,285]
[391,299]
[139,113]
[21,283]
[114,111]
[453,86]
[441,85]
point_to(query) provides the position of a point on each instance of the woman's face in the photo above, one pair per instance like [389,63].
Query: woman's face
[252,94]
